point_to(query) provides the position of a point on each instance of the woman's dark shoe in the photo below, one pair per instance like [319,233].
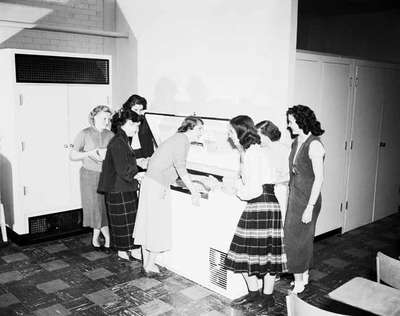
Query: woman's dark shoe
[251,297]
[267,300]
[149,273]
[106,250]
[96,248]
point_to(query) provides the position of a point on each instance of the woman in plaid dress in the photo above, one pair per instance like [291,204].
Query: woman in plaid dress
[257,249]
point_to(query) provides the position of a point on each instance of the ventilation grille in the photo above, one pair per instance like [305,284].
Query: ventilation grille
[56,223]
[218,274]
[56,69]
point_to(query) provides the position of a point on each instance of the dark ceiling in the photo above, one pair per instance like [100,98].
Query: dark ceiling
[340,7]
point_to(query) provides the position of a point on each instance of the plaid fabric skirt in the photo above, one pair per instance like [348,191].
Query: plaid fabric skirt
[257,246]
[121,211]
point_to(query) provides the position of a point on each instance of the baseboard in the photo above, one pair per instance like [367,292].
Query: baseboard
[28,239]
[330,233]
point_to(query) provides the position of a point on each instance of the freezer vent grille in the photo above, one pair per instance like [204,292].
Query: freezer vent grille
[58,69]
[56,223]
[218,274]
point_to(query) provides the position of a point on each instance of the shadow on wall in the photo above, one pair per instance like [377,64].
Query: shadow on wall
[6,190]
[167,99]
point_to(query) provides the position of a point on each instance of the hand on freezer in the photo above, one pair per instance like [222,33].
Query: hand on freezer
[213,183]
[139,176]
[228,185]
[142,162]
[195,197]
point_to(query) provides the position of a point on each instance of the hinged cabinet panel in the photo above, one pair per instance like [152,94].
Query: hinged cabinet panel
[42,126]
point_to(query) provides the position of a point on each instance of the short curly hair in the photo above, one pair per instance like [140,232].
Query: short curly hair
[245,131]
[305,119]
[121,116]
[269,129]
[96,110]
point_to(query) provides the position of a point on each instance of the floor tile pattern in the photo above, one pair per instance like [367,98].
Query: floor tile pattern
[68,277]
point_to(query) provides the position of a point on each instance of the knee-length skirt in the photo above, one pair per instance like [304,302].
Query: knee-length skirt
[153,229]
[93,204]
[121,210]
[257,246]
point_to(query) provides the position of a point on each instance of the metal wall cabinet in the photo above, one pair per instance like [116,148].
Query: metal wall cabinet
[356,102]
[45,101]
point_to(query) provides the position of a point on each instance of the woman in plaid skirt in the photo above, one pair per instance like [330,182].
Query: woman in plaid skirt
[117,181]
[257,248]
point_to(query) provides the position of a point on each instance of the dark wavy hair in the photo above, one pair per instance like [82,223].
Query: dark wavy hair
[245,131]
[305,119]
[121,116]
[270,130]
[133,100]
[189,123]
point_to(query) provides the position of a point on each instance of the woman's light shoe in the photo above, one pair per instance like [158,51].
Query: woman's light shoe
[306,277]
[151,271]
[298,288]
[136,253]
[123,255]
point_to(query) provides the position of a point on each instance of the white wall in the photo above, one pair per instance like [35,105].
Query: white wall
[217,58]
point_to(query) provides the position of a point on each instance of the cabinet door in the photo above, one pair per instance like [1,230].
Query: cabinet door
[333,113]
[42,126]
[388,183]
[82,99]
[368,98]
[324,86]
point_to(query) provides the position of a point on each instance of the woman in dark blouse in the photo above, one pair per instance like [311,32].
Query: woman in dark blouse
[117,181]
[142,143]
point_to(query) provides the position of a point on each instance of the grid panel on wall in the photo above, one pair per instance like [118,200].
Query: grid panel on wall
[59,69]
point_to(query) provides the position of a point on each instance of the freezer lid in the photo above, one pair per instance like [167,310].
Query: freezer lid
[214,154]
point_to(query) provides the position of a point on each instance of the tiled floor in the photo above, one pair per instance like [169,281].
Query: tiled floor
[66,277]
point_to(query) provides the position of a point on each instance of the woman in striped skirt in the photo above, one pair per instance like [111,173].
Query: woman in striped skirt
[117,181]
[257,248]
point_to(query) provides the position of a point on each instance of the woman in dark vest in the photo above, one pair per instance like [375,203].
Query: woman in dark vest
[306,164]
[117,181]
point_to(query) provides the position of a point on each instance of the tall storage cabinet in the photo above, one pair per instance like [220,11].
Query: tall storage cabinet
[357,104]
[42,114]
[324,85]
